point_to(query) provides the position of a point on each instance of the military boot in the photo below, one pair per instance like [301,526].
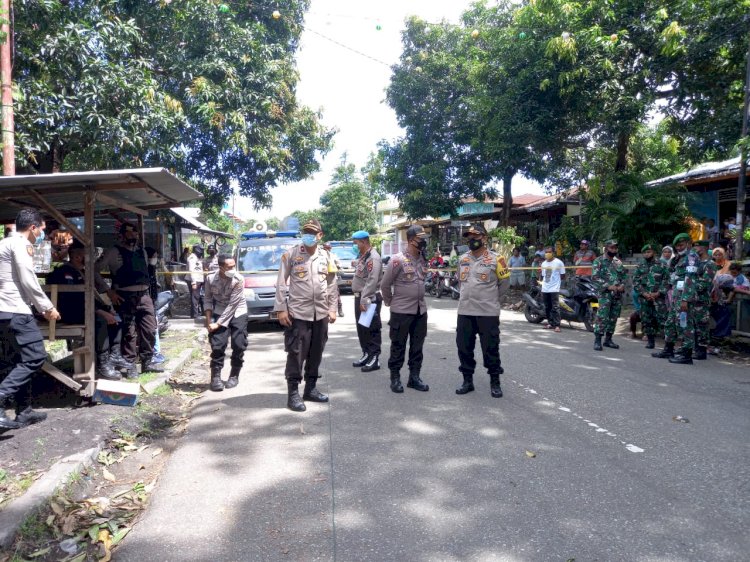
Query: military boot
[495,389]
[26,416]
[684,357]
[311,393]
[234,378]
[651,342]
[396,385]
[416,383]
[5,422]
[597,342]
[362,360]
[609,343]
[373,364]
[131,371]
[116,358]
[665,353]
[148,365]
[105,369]
[467,386]
[700,354]
[294,402]
[217,385]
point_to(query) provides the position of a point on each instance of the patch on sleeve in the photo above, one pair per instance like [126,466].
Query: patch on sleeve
[369,266]
[502,270]
[30,250]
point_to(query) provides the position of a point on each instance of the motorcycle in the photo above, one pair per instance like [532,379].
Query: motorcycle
[429,282]
[581,306]
[444,283]
[163,309]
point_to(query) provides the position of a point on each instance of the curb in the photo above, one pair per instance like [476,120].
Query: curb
[172,366]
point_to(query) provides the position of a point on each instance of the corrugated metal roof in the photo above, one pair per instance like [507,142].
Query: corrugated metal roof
[194,224]
[145,188]
[707,170]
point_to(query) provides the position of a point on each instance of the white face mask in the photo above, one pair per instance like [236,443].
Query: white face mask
[153,261]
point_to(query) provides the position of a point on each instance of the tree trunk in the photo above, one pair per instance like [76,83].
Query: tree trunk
[507,195]
[623,143]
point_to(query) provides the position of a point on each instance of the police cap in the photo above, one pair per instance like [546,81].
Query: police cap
[476,229]
[360,235]
[415,231]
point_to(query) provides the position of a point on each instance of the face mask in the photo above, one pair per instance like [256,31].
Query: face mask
[682,252]
[475,244]
[355,250]
[309,240]
[548,255]
[153,261]
[422,244]
[611,254]
[198,253]
[39,239]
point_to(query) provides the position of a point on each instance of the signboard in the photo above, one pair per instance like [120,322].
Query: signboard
[476,208]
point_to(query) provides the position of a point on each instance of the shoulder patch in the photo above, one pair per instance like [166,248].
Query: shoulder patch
[30,250]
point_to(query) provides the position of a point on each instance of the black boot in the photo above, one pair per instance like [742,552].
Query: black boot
[217,385]
[701,354]
[609,343]
[396,385]
[597,342]
[373,364]
[684,357]
[294,402]
[234,378]
[5,422]
[312,394]
[416,383]
[495,389]
[131,371]
[362,360]
[651,342]
[665,353]
[148,365]
[105,369]
[116,358]
[467,386]
[27,416]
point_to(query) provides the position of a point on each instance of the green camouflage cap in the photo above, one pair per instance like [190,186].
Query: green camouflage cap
[704,243]
[611,242]
[648,247]
[680,237]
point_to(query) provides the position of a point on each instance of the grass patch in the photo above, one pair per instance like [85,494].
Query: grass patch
[33,528]
[148,377]
[196,354]
[162,390]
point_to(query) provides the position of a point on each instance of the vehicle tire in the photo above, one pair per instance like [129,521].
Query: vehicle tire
[532,316]
[433,291]
[455,295]
[588,318]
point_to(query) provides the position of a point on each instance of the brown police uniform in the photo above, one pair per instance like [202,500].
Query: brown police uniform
[366,289]
[224,298]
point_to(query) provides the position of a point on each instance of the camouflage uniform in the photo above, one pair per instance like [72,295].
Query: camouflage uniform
[651,276]
[703,302]
[684,276]
[608,272]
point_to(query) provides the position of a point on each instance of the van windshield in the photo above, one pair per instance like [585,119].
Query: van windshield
[265,257]
[344,253]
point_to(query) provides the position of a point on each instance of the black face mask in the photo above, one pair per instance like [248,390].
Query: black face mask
[475,244]
[198,252]
[422,244]
[611,254]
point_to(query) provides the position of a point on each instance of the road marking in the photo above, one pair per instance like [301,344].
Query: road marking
[598,429]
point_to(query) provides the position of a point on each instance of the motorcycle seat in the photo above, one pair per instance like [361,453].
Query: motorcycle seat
[565,292]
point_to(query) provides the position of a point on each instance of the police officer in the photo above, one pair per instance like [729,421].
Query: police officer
[195,280]
[130,292]
[403,292]
[609,276]
[366,289]
[650,283]
[225,307]
[704,287]
[680,323]
[19,334]
[211,263]
[483,278]
[305,310]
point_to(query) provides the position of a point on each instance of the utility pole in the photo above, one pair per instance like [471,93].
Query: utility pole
[739,242]
[6,81]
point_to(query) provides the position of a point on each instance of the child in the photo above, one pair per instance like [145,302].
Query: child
[741,283]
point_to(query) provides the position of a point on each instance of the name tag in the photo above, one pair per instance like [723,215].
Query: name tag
[691,269]
[680,285]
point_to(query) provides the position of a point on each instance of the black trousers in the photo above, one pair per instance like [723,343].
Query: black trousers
[236,332]
[108,336]
[304,342]
[196,306]
[370,339]
[488,329]
[23,352]
[414,328]
[138,325]
[552,308]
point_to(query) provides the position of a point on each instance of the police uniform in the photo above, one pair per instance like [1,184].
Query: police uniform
[311,296]
[224,299]
[403,291]
[195,277]
[482,281]
[607,271]
[211,263]
[366,289]
[22,342]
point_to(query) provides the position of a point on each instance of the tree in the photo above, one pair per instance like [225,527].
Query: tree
[205,89]
[372,175]
[346,206]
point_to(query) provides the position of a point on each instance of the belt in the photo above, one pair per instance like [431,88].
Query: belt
[132,293]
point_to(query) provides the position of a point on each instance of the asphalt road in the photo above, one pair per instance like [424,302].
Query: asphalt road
[418,477]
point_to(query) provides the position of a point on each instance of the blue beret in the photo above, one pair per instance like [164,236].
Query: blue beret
[360,235]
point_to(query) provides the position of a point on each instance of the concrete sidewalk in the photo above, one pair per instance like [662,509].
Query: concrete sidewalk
[376,476]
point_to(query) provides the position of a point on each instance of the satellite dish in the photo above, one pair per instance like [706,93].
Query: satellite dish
[260,226]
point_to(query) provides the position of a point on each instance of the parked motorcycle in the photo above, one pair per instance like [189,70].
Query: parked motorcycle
[429,282]
[163,309]
[581,306]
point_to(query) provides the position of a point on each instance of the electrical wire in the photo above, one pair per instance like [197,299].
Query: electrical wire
[347,47]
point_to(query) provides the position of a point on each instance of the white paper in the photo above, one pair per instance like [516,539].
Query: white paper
[365,319]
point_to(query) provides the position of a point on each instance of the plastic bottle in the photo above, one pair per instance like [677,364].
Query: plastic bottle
[683,319]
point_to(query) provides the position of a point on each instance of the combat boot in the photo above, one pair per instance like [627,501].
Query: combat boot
[104,368]
[26,416]
[234,378]
[651,342]
[312,394]
[701,354]
[148,365]
[217,385]
[665,353]
[396,385]
[362,360]
[684,357]
[495,389]
[5,422]
[294,402]
[373,364]
[467,386]
[597,342]
[131,371]
[609,343]
[416,383]
[117,360]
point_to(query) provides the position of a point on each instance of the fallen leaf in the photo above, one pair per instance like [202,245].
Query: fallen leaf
[105,538]
[108,475]
[69,525]
[119,535]
[530,454]
[680,419]
[56,508]
[156,452]
[50,520]
[41,552]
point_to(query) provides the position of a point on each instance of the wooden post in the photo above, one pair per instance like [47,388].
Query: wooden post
[89,312]
[6,81]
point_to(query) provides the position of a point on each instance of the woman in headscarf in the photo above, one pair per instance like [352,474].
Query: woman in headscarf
[721,312]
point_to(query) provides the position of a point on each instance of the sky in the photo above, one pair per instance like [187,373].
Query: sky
[349,88]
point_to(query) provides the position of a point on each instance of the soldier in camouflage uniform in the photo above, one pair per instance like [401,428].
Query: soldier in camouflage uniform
[609,276]
[684,272]
[703,300]
[650,282]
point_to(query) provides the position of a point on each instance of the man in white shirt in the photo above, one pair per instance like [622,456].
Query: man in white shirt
[553,272]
